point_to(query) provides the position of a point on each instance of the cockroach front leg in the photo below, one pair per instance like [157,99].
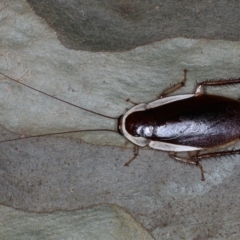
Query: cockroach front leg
[188,161]
[175,87]
[130,101]
[136,153]
[169,90]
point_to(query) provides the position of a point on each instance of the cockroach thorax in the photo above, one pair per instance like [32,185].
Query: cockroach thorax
[120,125]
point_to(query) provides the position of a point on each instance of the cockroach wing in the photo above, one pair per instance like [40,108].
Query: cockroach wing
[193,123]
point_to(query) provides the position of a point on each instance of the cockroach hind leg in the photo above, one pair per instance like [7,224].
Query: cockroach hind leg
[215,155]
[199,157]
[214,83]
[175,86]
[201,170]
[188,161]
[136,153]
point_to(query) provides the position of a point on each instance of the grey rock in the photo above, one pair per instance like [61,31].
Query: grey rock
[76,171]
[99,222]
[120,25]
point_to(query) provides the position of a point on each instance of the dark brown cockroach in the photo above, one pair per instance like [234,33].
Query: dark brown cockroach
[183,123]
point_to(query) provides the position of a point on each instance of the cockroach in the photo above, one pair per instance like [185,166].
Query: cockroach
[188,123]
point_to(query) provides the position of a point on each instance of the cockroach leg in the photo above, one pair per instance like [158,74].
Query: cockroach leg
[136,153]
[188,161]
[214,83]
[129,100]
[215,154]
[201,170]
[175,87]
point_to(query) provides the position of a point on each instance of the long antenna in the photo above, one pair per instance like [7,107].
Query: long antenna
[56,97]
[58,133]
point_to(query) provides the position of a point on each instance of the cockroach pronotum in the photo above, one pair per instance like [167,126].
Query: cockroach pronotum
[183,123]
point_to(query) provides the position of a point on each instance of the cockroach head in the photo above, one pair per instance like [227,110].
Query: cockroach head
[120,125]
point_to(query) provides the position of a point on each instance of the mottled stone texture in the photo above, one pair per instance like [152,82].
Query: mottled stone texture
[120,25]
[106,222]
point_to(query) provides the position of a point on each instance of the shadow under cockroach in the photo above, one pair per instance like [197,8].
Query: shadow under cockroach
[189,123]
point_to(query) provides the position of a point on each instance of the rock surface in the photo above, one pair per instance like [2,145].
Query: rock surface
[120,25]
[51,174]
[106,222]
